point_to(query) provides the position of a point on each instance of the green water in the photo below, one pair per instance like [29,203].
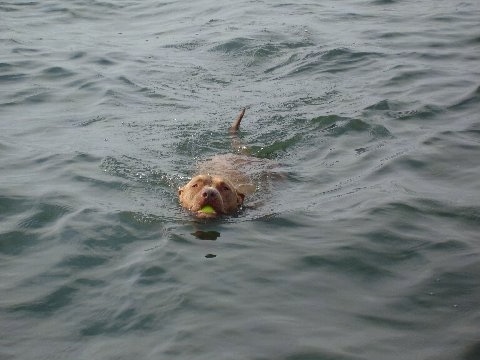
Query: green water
[361,241]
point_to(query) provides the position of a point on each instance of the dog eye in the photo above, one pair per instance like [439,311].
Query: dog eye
[226,188]
[194,185]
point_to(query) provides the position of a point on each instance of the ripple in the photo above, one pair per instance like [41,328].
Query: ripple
[12,78]
[468,101]
[55,72]
[125,321]
[152,275]
[336,126]
[274,149]
[109,238]
[45,214]
[15,242]
[48,304]
[402,111]
[187,45]
[83,261]
[320,354]
[333,61]
[233,45]
[350,265]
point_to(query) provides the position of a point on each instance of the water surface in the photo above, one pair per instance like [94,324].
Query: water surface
[366,247]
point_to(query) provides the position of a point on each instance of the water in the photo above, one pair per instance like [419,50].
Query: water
[366,248]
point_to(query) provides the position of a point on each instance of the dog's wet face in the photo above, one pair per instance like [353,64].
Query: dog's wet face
[204,193]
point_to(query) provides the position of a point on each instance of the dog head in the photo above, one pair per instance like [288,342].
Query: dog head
[214,191]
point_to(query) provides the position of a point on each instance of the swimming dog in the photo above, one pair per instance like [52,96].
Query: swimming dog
[219,187]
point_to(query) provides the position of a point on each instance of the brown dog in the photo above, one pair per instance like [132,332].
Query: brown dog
[220,187]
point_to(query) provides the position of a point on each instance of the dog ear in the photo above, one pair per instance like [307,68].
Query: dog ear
[180,190]
[240,198]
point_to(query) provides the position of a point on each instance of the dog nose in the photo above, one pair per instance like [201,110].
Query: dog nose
[208,193]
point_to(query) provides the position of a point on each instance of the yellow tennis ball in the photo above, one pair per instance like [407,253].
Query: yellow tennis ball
[208,209]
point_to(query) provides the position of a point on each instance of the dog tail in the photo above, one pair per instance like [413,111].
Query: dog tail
[236,123]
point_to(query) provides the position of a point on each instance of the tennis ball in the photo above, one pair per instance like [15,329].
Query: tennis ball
[207,209]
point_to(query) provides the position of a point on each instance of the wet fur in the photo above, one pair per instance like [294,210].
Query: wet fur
[219,182]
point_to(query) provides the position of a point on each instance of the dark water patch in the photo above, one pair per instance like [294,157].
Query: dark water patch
[447,245]
[141,221]
[86,85]
[320,355]
[152,275]
[93,283]
[67,15]
[126,167]
[137,172]
[55,73]
[462,141]
[5,67]
[110,236]
[396,244]
[13,205]
[384,2]
[12,78]
[126,81]
[336,126]
[447,293]
[469,101]
[474,40]
[99,184]
[326,122]
[405,112]
[424,207]
[349,265]
[48,304]
[161,178]
[181,239]
[93,120]
[80,262]
[290,60]
[206,235]
[391,35]
[275,149]
[16,242]
[333,61]
[472,352]
[103,61]
[351,125]
[25,50]
[388,105]
[380,132]
[468,215]
[264,52]
[187,45]
[33,97]
[261,50]
[9,7]
[45,214]
[199,145]
[392,323]
[300,102]
[78,55]
[120,322]
[408,76]
[234,46]
[109,240]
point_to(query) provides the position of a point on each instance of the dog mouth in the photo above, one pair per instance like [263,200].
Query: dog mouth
[207,211]
[210,204]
